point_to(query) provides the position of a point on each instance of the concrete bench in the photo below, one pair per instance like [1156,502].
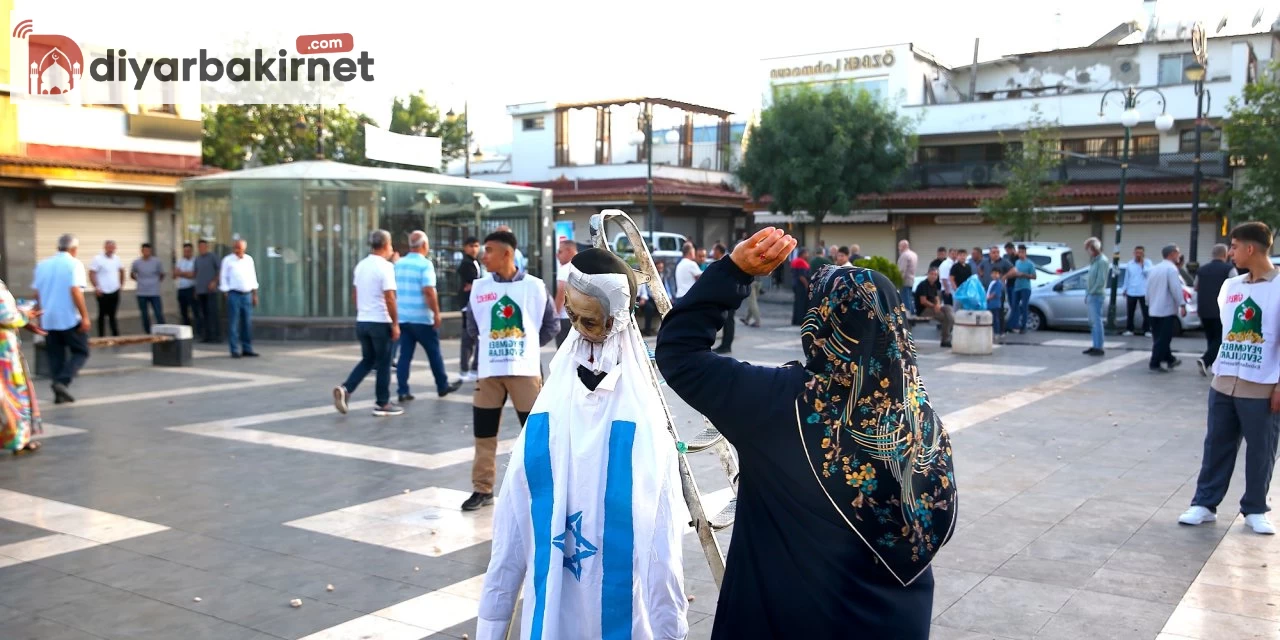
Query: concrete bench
[171,346]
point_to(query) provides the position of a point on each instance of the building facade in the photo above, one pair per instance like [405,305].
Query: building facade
[102,172]
[964,116]
[592,156]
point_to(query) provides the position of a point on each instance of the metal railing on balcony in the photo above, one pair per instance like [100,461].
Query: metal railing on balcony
[1213,164]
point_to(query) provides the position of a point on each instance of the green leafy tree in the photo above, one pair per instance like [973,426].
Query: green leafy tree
[1030,162]
[414,116]
[817,152]
[1253,131]
[278,133]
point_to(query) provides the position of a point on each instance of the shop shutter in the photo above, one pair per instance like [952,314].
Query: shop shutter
[93,227]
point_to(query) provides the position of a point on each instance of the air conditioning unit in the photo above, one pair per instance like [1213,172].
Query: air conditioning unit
[979,174]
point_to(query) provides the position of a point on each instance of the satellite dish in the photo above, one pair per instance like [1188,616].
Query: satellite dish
[1257,17]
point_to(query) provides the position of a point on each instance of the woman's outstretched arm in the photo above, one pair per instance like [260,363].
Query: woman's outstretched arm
[729,392]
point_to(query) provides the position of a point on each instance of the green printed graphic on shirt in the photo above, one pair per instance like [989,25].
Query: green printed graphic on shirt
[1243,346]
[506,329]
[1246,325]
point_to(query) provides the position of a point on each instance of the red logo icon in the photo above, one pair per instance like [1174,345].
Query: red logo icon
[1234,298]
[56,63]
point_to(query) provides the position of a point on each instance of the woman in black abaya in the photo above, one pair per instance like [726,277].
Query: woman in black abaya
[847,488]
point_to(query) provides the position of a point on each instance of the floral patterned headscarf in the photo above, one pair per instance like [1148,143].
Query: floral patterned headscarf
[875,444]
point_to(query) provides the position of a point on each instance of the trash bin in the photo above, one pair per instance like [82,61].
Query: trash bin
[175,352]
[972,333]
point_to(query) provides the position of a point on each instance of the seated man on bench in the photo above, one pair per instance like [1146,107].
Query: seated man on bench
[929,305]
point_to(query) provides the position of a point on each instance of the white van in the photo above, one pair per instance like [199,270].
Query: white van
[661,244]
[1054,257]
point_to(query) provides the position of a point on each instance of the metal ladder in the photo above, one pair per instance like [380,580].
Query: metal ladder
[709,439]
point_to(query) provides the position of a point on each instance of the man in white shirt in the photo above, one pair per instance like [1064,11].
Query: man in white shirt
[1244,402]
[944,276]
[1165,301]
[185,273]
[106,273]
[564,257]
[1135,289]
[687,271]
[377,326]
[238,280]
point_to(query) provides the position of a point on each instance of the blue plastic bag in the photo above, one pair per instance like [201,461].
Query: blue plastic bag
[971,296]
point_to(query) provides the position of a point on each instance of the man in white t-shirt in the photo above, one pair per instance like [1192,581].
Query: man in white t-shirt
[106,272]
[564,256]
[687,271]
[1244,397]
[377,326]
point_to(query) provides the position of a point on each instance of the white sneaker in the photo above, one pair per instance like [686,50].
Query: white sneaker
[1204,369]
[1197,515]
[1260,524]
[340,396]
[469,376]
[1127,333]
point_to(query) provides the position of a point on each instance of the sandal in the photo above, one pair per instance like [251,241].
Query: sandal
[31,447]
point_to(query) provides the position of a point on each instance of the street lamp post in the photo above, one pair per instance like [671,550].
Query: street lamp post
[1195,73]
[466,137]
[644,136]
[1129,118]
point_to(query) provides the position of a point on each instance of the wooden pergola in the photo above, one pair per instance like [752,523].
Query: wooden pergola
[604,125]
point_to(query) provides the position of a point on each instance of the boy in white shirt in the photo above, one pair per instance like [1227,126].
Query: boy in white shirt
[1244,399]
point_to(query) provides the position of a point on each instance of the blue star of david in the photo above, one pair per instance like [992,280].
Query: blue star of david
[581,549]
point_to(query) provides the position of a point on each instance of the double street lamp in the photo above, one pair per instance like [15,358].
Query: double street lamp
[1195,73]
[1130,118]
[643,139]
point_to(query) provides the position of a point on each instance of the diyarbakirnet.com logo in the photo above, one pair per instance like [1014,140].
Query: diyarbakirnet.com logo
[55,67]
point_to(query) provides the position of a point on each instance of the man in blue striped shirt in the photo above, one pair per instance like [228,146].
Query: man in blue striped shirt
[419,317]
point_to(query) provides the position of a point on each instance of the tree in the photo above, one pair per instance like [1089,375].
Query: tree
[278,133]
[414,116]
[817,152]
[1030,161]
[1253,131]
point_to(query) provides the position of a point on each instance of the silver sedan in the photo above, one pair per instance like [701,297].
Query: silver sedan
[1061,304]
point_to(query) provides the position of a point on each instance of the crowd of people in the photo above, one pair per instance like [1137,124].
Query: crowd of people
[841,495]
[59,314]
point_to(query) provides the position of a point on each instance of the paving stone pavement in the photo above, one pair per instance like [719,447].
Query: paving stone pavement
[198,503]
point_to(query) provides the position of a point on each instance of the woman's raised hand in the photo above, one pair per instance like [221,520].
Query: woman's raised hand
[762,253]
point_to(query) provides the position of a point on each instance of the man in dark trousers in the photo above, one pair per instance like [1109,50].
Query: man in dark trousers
[718,253]
[1209,279]
[800,273]
[468,272]
[207,269]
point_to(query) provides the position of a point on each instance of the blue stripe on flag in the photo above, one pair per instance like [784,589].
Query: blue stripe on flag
[537,469]
[615,605]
